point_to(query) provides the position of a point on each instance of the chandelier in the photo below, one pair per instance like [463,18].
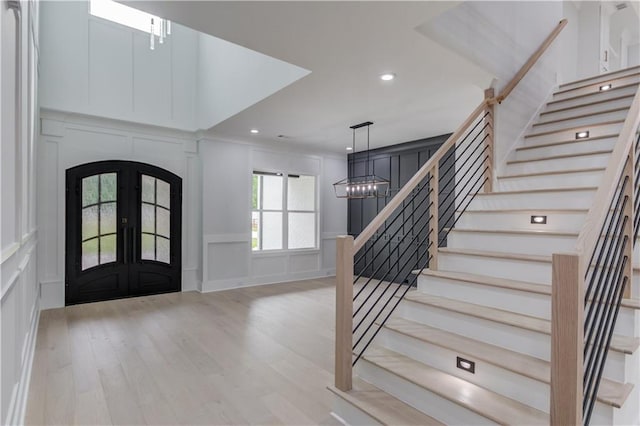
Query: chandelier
[161,28]
[367,186]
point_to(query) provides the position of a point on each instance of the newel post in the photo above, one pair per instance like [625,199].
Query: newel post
[489,137]
[567,340]
[344,312]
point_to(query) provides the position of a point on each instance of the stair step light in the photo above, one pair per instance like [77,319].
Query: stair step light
[605,87]
[466,365]
[582,135]
[539,220]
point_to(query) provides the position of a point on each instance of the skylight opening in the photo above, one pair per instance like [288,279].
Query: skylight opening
[125,15]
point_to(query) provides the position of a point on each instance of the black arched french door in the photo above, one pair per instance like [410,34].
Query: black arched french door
[123,231]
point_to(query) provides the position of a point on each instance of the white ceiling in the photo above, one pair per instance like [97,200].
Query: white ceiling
[346,46]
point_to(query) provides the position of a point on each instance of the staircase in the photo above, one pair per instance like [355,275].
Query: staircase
[472,344]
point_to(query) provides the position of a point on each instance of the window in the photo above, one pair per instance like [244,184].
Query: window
[124,15]
[284,212]
[99,212]
[155,216]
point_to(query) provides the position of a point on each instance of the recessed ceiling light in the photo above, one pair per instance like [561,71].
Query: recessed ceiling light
[387,77]
[349,148]
[605,87]
[254,131]
[582,135]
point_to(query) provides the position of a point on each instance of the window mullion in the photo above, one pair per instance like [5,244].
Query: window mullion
[261,206]
[285,214]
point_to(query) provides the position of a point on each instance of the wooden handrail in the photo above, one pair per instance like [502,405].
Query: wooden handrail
[379,220]
[590,233]
[531,62]
[395,202]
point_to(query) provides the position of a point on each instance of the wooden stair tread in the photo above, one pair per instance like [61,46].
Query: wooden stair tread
[486,280]
[498,254]
[591,94]
[592,114]
[567,142]
[561,156]
[473,397]
[383,407]
[623,344]
[635,74]
[526,210]
[631,303]
[588,104]
[610,392]
[574,128]
[551,173]
[537,191]
[518,231]
[599,76]
[497,315]
[490,281]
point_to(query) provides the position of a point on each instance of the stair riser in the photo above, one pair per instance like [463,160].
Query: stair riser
[513,221]
[586,109]
[566,149]
[428,402]
[625,323]
[580,199]
[522,302]
[595,87]
[521,388]
[556,181]
[601,79]
[583,121]
[349,414]
[536,305]
[537,244]
[514,338]
[570,135]
[559,164]
[600,96]
[489,376]
[536,272]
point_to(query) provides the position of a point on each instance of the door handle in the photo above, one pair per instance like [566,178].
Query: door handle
[134,239]
[125,245]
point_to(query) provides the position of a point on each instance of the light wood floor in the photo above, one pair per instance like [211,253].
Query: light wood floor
[261,355]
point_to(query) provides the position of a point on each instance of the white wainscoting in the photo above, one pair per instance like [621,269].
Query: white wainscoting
[227,266]
[19,321]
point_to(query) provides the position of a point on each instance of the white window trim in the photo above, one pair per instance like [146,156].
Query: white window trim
[285,214]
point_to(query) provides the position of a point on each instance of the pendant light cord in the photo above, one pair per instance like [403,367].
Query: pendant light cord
[368,149]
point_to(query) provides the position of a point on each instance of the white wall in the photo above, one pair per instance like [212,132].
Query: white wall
[68,140]
[18,232]
[568,40]
[228,260]
[588,39]
[232,78]
[633,55]
[94,66]
[500,37]
[193,81]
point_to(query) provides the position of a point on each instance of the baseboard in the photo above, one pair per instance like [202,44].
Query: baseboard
[18,405]
[228,284]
